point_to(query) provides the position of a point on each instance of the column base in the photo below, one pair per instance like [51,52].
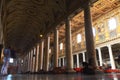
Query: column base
[92,71]
[98,72]
[58,70]
[70,71]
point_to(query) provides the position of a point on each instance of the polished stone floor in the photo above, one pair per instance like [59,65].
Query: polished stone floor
[111,76]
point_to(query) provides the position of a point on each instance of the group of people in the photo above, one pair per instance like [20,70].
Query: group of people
[7,52]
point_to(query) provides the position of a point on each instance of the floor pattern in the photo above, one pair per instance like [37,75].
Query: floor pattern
[111,76]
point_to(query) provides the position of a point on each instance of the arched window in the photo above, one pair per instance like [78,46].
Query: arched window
[61,46]
[11,60]
[94,31]
[79,37]
[112,24]
[22,61]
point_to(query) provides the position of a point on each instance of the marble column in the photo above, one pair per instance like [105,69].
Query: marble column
[56,47]
[83,56]
[63,61]
[90,46]
[46,66]
[59,62]
[77,55]
[33,60]
[68,44]
[111,57]
[100,56]
[24,64]
[19,65]
[27,61]
[31,57]
[37,53]
[30,61]
[41,55]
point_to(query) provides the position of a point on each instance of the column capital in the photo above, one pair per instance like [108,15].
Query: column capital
[68,18]
[98,48]
[42,40]
[85,3]
[83,52]
[108,45]
[48,35]
[56,28]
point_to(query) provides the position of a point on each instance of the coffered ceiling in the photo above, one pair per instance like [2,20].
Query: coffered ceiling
[99,8]
[25,20]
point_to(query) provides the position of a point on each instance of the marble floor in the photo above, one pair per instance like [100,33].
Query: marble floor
[111,76]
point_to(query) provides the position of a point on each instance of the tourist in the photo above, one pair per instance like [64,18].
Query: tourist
[6,53]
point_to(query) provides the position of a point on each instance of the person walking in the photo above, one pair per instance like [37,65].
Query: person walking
[6,53]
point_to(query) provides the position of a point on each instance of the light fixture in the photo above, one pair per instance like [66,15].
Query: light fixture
[41,35]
